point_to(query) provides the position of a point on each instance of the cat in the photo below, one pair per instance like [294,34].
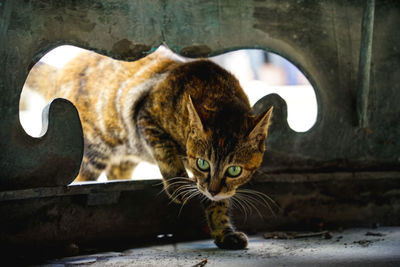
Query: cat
[177,113]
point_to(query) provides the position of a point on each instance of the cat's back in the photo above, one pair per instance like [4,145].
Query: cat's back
[92,74]
[106,91]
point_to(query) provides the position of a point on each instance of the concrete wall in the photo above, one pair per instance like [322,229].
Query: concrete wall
[355,142]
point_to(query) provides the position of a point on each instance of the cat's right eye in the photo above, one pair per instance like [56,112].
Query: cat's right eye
[203,165]
[234,171]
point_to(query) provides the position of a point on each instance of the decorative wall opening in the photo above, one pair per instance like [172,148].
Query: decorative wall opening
[259,72]
[262,73]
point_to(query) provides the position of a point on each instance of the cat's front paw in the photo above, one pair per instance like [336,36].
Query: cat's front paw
[233,240]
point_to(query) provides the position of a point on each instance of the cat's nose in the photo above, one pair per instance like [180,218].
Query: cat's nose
[213,192]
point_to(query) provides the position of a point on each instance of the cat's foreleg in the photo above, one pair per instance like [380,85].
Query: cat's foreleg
[222,231]
[176,181]
[165,152]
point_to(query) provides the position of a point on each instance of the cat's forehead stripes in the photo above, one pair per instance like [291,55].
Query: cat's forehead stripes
[221,142]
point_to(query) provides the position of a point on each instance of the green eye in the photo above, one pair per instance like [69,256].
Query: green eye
[203,164]
[234,171]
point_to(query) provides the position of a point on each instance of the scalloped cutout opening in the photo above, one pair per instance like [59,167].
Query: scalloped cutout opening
[31,102]
[260,73]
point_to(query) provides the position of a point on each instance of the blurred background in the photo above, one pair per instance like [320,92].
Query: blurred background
[259,72]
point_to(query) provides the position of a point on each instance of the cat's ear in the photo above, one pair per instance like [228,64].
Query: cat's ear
[260,131]
[194,118]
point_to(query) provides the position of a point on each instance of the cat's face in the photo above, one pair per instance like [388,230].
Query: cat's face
[219,173]
[221,161]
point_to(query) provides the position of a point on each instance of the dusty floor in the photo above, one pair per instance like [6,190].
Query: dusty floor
[354,247]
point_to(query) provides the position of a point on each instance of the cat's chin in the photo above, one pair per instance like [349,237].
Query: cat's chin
[217,197]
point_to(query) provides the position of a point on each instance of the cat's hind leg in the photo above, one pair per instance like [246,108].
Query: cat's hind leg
[90,170]
[95,161]
[122,170]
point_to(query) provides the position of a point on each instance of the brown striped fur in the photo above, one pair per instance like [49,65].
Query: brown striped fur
[168,111]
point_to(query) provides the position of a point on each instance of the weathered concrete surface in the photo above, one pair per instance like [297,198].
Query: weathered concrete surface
[348,248]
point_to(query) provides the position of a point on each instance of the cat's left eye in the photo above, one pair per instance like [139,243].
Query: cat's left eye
[234,171]
[203,164]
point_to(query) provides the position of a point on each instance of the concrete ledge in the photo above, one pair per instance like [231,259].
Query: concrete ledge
[135,212]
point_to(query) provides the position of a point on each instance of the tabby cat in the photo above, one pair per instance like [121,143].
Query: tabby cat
[179,114]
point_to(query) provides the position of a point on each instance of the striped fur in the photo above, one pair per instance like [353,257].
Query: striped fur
[168,111]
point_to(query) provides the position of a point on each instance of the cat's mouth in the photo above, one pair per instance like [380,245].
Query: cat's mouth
[217,197]
[214,197]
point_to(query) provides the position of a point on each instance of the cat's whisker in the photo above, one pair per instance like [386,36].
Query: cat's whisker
[174,184]
[182,187]
[189,191]
[261,195]
[236,204]
[173,197]
[192,194]
[197,193]
[177,182]
[187,195]
[158,184]
[203,198]
[257,201]
[178,179]
[181,178]
[250,203]
[164,189]
[243,204]
[179,191]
